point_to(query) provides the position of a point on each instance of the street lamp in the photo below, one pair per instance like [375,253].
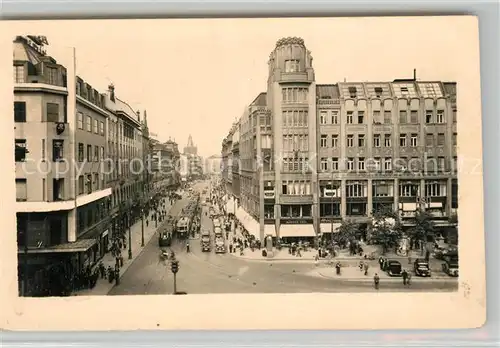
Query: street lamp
[142,223]
[129,237]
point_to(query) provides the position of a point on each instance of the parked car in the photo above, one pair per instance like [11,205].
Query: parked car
[447,253]
[451,268]
[422,268]
[393,268]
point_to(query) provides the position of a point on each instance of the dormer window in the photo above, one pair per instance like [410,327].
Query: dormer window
[292,65]
[378,91]
[353,92]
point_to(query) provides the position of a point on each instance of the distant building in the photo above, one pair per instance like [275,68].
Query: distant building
[194,162]
[164,158]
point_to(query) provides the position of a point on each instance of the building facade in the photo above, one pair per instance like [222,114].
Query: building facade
[164,168]
[312,155]
[194,161]
[74,151]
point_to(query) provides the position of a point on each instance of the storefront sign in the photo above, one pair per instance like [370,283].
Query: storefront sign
[300,221]
[269,221]
[330,220]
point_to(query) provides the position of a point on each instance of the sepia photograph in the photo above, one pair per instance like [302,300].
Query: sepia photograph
[286,159]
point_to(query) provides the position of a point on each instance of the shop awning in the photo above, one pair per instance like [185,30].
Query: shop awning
[78,246]
[230,206]
[252,226]
[435,205]
[327,227]
[270,230]
[300,230]
[408,206]
[241,214]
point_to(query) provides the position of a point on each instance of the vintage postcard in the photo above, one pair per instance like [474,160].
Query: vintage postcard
[242,174]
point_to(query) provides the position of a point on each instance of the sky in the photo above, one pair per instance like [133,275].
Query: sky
[197,76]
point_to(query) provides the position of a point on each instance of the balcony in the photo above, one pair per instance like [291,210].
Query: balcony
[269,194]
[294,76]
[328,101]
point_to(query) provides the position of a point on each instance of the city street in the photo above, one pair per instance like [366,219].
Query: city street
[201,273]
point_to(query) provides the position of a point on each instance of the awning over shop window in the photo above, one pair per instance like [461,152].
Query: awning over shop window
[408,206]
[230,206]
[270,230]
[327,227]
[240,214]
[435,205]
[78,246]
[252,226]
[300,230]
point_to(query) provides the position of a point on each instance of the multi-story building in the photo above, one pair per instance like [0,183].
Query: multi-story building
[312,155]
[164,168]
[60,139]
[194,162]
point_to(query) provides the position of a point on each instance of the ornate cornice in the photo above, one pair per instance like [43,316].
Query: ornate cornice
[290,41]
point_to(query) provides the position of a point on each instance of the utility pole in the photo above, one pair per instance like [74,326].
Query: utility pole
[129,237]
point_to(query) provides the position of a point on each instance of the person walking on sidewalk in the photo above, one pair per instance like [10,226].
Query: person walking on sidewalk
[381,262]
[405,276]
[366,268]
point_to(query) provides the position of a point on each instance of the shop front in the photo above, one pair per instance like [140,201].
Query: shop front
[296,230]
[327,226]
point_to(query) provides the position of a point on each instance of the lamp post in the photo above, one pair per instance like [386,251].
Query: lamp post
[142,224]
[331,232]
[129,237]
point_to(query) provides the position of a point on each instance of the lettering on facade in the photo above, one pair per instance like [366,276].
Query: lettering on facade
[301,221]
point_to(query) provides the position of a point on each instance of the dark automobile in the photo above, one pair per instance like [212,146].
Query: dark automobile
[451,268]
[448,253]
[165,239]
[393,268]
[422,268]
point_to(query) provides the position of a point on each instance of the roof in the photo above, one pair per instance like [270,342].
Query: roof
[260,100]
[327,91]
[450,88]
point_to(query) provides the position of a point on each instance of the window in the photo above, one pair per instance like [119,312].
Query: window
[382,189]
[429,139]
[361,117]
[89,153]
[58,189]
[455,164]
[387,117]
[80,152]
[101,128]
[335,117]
[414,140]
[387,163]
[102,153]
[454,113]
[387,140]
[428,116]
[408,189]
[96,181]
[433,189]
[88,183]
[19,111]
[376,117]
[96,126]
[352,92]
[355,189]
[53,76]
[335,140]
[440,116]
[57,149]
[20,150]
[350,164]
[376,140]
[441,163]
[294,95]
[52,112]
[361,140]
[322,117]
[335,163]
[376,164]
[402,140]
[414,116]
[89,124]
[43,150]
[324,164]
[21,190]
[441,139]
[96,153]
[292,65]
[350,140]
[454,139]
[349,117]
[402,117]
[80,120]
[324,139]
[361,163]
[81,186]
[378,91]
[19,74]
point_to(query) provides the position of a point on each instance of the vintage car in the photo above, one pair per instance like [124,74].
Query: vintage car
[448,253]
[220,245]
[217,231]
[205,243]
[164,239]
[451,268]
[422,268]
[393,268]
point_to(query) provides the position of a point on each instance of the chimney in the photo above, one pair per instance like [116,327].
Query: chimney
[414,74]
[138,115]
[111,90]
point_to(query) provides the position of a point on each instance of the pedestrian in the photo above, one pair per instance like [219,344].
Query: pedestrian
[366,268]
[405,276]
[361,265]
[376,280]
[408,281]
[381,262]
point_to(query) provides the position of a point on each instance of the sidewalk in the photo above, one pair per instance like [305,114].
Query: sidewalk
[103,286]
[354,274]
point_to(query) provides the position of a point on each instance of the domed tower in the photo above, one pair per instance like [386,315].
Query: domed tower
[291,97]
